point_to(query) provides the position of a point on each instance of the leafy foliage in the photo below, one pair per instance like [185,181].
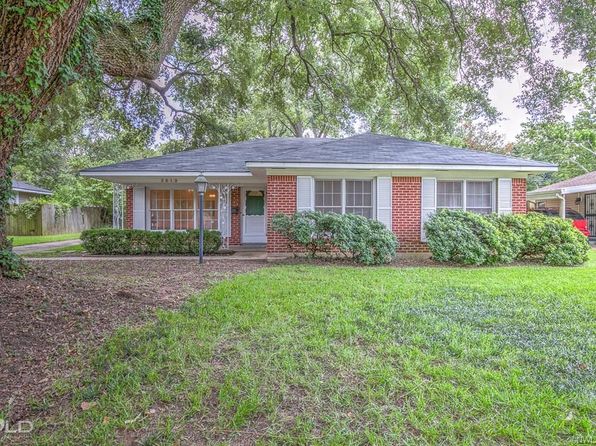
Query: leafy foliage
[473,239]
[366,241]
[570,145]
[10,264]
[74,135]
[466,238]
[109,241]
[555,240]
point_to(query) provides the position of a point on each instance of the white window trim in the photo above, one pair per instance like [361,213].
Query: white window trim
[464,191]
[373,192]
[148,208]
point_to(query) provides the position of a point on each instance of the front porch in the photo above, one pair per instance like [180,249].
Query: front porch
[237,211]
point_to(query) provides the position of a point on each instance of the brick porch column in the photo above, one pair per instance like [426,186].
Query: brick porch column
[129,208]
[235,220]
[281,198]
[406,213]
[518,196]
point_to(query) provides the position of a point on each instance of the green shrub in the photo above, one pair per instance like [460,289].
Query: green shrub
[109,241]
[562,244]
[11,265]
[463,237]
[366,241]
[472,239]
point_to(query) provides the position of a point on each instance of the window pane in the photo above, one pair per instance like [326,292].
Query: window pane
[183,209]
[359,197]
[450,194]
[210,214]
[479,197]
[159,209]
[328,196]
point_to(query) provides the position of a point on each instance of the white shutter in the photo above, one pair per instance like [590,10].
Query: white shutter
[429,203]
[504,200]
[384,201]
[138,208]
[305,194]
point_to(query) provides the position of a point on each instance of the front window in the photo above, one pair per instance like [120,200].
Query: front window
[210,211]
[159,206]
[344,197]
[175,209]
[183,209]
[328,196]
[450,195]
[479,197]
[359,197]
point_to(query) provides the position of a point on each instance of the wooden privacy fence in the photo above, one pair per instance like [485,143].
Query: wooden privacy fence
[48,221]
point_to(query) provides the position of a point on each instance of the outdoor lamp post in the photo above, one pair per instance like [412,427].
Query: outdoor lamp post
[202,183]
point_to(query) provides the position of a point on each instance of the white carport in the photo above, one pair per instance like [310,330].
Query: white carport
[578,194]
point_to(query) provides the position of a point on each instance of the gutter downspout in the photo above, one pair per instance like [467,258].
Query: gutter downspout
[561,205]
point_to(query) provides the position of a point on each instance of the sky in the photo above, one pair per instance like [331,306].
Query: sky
[503,93]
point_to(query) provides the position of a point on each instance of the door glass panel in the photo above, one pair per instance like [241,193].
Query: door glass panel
[255,202]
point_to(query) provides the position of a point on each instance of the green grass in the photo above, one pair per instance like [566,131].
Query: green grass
[57,252]
[341,355]
[20,240]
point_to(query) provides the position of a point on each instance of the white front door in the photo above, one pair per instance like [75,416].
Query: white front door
[253,215]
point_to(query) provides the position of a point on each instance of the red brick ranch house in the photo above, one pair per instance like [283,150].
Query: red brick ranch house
[394,180]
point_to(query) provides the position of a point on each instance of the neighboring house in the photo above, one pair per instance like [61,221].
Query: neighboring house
[24,192]
[394,180]
[577,194]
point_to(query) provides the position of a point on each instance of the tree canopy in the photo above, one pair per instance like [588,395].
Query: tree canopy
[231,69]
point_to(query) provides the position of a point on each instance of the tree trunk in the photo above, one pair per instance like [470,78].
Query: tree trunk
[5,188]
[30,60]
[35,43]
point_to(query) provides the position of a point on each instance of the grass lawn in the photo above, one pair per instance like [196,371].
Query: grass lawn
[57,252]
[20,240]
[340,355]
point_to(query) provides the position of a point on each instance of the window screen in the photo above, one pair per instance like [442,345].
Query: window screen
[210,211]
[328,196]
[479,196]
[359,197]
[159,210]
[184,217]
[450,195]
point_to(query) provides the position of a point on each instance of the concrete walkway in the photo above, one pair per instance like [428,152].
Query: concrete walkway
[27,249]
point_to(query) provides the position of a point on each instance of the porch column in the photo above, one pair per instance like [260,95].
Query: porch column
[225,217]
[562,206]
[118,206]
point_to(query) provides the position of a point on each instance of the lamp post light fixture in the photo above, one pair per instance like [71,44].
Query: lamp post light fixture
[202,184]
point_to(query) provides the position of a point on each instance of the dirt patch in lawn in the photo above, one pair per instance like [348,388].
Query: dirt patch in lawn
[63,307]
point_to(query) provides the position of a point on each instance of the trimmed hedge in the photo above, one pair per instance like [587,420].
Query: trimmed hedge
[108,241]
[472,239]
[366,241]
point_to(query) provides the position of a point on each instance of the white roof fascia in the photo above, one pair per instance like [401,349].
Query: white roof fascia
[574,189]
[382,166]
[164,174]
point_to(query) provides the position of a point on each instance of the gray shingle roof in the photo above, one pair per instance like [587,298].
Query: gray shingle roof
[27,187]
[366,148]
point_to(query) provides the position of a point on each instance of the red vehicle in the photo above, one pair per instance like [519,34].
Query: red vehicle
[579,221]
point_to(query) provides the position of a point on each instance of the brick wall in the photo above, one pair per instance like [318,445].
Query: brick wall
[129,208]
[518,195]
[406,196]
[281,197]
[235,220]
